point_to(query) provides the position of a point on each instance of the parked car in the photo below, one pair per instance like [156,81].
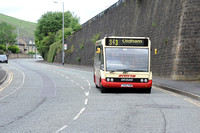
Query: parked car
[3,59]
[39,57]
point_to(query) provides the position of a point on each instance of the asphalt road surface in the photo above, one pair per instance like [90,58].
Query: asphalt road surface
[39,97]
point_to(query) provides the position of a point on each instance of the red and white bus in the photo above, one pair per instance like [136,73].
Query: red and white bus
[123,62]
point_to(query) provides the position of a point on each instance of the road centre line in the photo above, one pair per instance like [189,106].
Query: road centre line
[82,88]
[87,93]
[72,80]
[76,117]
[83,77]
[77,84]
[62,128]
[86,101]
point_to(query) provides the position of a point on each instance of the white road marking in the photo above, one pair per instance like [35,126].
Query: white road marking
[76,117]
[62,128]
[77,84]
[87,93]
[82,88]
[72,81]
[83,77]
[86,101]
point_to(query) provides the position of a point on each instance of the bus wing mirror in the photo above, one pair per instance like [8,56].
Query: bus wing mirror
[98,50]
[156,51]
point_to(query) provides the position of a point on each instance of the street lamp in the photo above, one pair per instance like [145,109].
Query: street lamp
[63,52]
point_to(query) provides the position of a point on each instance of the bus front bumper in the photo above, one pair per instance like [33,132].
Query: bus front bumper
[125,84]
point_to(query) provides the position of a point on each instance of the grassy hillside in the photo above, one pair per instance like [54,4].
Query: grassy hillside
[26,28]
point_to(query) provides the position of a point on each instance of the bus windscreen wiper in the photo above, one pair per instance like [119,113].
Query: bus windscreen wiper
[130,70]
[125,70]
[139,71]
[112,71]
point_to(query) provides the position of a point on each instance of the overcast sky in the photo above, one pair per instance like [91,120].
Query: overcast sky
[32,10]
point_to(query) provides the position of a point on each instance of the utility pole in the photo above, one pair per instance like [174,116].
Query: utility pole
[63,26]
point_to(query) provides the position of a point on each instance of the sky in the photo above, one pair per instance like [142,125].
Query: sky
[32,10]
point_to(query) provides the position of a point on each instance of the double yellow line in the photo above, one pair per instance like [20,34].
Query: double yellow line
[8,81]
[195,102]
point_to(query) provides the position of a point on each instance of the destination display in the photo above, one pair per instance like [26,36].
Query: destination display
[126,42]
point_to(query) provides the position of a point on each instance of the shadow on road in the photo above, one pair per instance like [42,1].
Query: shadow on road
[124,90]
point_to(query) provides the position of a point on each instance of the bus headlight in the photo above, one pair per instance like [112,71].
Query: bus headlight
[111,79]
[143,80]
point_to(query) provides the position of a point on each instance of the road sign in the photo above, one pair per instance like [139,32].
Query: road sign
[65,46]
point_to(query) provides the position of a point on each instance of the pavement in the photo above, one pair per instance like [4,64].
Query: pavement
[187,88]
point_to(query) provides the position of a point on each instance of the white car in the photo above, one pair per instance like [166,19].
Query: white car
[39,57]
[3,59]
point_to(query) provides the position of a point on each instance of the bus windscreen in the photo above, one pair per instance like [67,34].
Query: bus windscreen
[127,59]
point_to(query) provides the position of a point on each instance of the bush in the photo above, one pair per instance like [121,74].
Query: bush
[31,52]
[3,47]
[52,51]
[78,59]
[2,52]
[13,48]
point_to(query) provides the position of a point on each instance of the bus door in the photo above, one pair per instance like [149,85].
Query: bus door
[98,64]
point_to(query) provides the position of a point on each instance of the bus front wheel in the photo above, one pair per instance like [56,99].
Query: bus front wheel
[103,90]
[148,90]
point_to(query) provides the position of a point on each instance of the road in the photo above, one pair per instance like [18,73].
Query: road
[39,97]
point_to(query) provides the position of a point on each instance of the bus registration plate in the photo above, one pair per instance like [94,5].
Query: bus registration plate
[126,85]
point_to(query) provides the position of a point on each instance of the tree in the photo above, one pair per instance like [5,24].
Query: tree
[7,35]
[48,26]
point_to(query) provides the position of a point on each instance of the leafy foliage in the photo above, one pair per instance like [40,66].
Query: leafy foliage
[3,47]
[2,52]
[53,49]
[31,52]
[95,37]
[6,34]
[13,48]
[49,30]
[78,59]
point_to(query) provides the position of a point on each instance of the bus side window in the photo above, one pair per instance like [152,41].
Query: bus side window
[102,59]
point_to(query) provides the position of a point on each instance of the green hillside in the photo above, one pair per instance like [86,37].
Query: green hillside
[26,28]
